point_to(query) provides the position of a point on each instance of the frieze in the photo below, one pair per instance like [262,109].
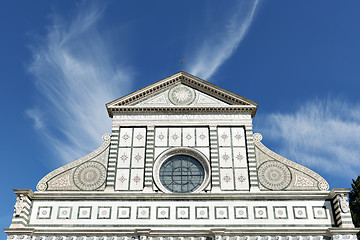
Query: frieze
[169,236]
[183,116]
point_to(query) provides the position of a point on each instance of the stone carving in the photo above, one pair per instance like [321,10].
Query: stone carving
[323,185]
[90,176]
[344,204]
[181,95]
[100,154]
[274,175]
[19,205]
[62,181]
[264,154]
[302,181]
[257,137]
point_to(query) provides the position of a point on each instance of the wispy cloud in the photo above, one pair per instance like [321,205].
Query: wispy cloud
[322,134]
[76,74]
[218,46]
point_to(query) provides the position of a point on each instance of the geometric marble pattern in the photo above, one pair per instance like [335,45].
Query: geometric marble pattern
[280,212]
[320,212]
[300,212]
[233,158]
[131,159]
[44,213]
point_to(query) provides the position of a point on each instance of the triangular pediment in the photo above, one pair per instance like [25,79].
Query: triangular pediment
[182,91]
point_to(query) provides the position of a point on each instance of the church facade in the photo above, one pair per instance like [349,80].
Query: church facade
[182,163]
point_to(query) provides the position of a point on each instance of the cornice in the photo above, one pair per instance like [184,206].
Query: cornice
[186,79]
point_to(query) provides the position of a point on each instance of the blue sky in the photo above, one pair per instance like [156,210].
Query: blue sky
[61,61]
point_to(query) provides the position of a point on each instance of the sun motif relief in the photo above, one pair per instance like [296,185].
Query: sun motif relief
[181,95]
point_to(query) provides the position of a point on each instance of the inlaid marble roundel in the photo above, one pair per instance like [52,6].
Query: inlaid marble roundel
[181,95]
[90,176]
[274,175]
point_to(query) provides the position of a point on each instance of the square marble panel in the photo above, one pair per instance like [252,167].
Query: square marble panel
[241,212]
[84,212]
[225,157]
[44,212]
[138,157]
[280,212]
[64,212]
[137,179]
[224,136]
[143,213]
[320,212]
[161,137]
[104,213]
[123,212]
[188,137]
[239,156]
[162,212]
[125,137]
[227,179]
[182,213]
[202,212]
[139,137]
[124,157]
[175,137]
[202,137]
[221,213]
[238,136]
[122,179]
[260,212]
[300,212]
[241,179]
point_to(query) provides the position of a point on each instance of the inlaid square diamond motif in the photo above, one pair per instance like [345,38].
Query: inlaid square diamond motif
[139,137]
[260,212]
[201,212]
[241,212]
[224,136]
[238,136]
[320,212]
[104,213]
[125,137]
[300,212]
[161,137]
[182,212]
[143,213]
[163,212]
[64,212]
[123,212]
[221,213]
[44,213]
[84,212]
[202,137]
[280,213]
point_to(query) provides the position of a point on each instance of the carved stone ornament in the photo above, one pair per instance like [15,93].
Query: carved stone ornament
[300,177]
[19,205]
[344,204]
[90,176]
[181,95]
[63,177]
[274,175]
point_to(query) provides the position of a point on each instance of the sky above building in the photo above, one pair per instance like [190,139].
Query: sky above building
[61,61]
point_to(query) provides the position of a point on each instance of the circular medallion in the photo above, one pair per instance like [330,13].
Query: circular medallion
[90,176]
[181,95]
[274,175]
[181,174]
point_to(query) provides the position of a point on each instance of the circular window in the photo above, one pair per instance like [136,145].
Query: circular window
[181,174]
[181,170]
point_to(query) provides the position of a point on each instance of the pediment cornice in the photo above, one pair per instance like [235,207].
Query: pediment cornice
[236,103]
